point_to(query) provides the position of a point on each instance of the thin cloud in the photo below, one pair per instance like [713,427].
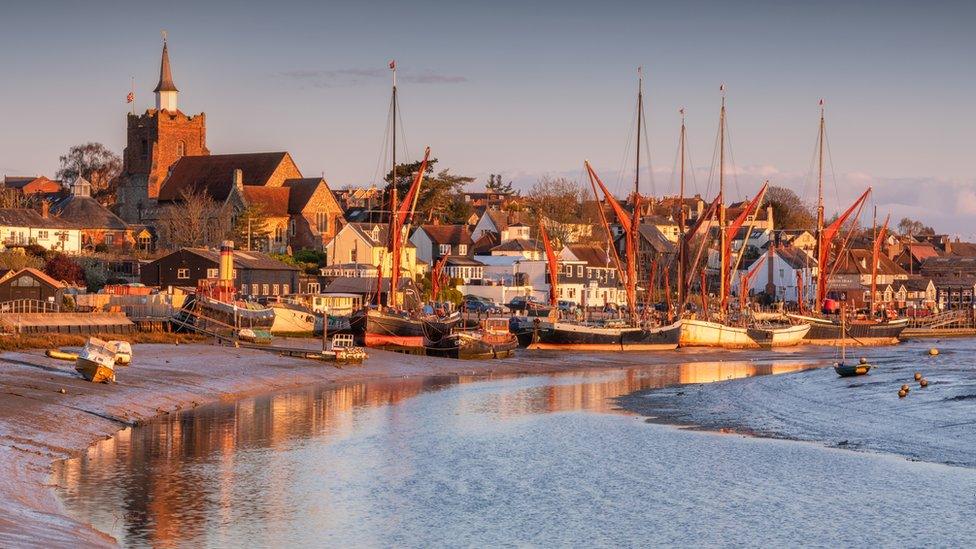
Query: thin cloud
[353,77]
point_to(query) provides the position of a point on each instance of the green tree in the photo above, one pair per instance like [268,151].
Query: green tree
[789,211]
[908,226]
[17,259]
[436,191]
[496,185]
[93,161]
[251,223]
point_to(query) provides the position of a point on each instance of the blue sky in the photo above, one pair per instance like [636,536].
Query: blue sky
[522,88]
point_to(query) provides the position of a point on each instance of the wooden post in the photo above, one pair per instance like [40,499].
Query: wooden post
[325,329]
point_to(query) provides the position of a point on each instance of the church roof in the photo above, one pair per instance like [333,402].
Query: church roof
[273,200]
[214,174]
[165,74]
[302,191]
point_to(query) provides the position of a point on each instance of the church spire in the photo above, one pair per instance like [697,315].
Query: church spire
[165,90]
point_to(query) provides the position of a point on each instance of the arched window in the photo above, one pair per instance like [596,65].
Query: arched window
[180,149]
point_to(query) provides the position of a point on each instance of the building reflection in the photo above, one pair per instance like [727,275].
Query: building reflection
[176,477]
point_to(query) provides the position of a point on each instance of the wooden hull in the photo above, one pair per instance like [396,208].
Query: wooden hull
[94,372]
[465,346]
[376,329]
[703,333]
[582,337]
[827,332]
[293,320]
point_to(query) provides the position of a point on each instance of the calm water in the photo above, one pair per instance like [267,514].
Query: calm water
[541,460]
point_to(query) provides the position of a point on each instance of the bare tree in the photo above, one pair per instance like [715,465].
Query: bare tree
[93,161]
[195,220]
[557,200]
[12,198]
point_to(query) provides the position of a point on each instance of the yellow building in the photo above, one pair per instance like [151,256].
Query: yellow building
[365,243]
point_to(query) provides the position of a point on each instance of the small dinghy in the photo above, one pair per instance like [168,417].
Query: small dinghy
[123,352]
[848,370]
[96,361]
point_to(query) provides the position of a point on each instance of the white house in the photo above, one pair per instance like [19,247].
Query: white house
[435,241]
[23,227]
[601,285]
[508,225]
[777,270]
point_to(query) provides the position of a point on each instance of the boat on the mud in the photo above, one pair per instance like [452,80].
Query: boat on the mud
[376,328]
[611,336]
[490,340]
[96,361]
[842,368]
[826,331]
[123,352]
[294,318]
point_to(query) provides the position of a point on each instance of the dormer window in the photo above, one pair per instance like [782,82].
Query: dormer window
[444,249]
[462,249]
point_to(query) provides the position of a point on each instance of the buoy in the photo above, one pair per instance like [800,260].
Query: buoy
[902,393]
[863,360]
[62,391]
[918,376]
[904,387]
[923,382]
[933,351]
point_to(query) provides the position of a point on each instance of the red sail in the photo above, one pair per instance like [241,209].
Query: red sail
[397,222]
[553,266]
[875,256]
[437,277]
[826,239]
[621,214]
[730,232]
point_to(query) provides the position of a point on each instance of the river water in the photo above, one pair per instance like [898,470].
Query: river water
[539,460]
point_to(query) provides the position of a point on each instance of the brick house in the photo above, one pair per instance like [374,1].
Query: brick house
[32,186]
[98,225]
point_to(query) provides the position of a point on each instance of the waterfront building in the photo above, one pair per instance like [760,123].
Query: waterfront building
[366,243]
[30,284]
[436,241]
[255,274]
[20,227]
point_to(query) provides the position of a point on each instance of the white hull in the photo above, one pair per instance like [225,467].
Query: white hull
[703,333]
[288,320]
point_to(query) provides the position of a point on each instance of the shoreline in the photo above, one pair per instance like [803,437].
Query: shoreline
[39,425]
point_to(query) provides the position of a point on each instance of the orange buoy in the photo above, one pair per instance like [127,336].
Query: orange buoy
[904,387]
[933,351]
[923,382]
[902,393]
[863,360]
[918,376]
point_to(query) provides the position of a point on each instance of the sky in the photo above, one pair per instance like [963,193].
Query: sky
[525,89]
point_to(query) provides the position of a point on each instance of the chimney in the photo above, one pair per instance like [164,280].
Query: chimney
[45,209]
[239,179]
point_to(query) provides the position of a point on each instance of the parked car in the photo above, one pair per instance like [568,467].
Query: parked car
[477,306]
[521,304]
[566,306]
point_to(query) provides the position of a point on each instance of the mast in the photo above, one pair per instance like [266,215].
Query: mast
[640,115]
[874,259]
[724,260]
[394,238]
[820,206]
[682,244]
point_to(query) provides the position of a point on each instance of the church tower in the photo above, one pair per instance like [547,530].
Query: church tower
[155,140]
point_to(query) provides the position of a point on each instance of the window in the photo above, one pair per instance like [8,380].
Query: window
[183,274]
[180,149]
[264,289]
[42,235]
[291,227]
[244,289]
[274,289]
[462,249]
[279,234]
[26,282]
[284,289]
[109,239]
[213,273]
[354,255]
[579,271]
[144,149]
[569,270]
[313,287]
[322,222]
[444,249]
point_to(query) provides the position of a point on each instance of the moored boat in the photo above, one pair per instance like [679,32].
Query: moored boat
[593,337]
[491,340]
[294,318]
[704,333]
[825,331]
[375,328]
[96,361]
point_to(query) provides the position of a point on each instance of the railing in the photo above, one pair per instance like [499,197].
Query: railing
[28,306]
[945,320]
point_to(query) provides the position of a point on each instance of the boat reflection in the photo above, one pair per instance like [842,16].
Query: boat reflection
[175,477]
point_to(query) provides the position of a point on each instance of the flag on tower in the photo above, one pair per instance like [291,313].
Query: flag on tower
[130,98]
[393,65]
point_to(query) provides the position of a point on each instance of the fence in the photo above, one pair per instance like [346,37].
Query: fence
[28,306]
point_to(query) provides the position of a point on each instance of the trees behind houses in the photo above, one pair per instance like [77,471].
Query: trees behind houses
[436,193]
[789,211]
[93,161]
[908,226]
[195,221]
[496,185]
[556,199]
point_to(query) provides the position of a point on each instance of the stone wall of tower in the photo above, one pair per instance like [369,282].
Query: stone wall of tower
[155,140]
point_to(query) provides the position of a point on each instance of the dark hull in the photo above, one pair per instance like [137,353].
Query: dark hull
[562,335]
[828,332]
[844,370]
[374,328]
[198,310]
[457,346]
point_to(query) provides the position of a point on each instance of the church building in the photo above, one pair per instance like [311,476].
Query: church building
[155,140]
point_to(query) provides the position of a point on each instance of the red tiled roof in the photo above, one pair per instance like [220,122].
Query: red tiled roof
[214,174]
[273,200]
[448,234]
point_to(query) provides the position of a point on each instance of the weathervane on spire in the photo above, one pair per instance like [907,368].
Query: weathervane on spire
[163,33]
